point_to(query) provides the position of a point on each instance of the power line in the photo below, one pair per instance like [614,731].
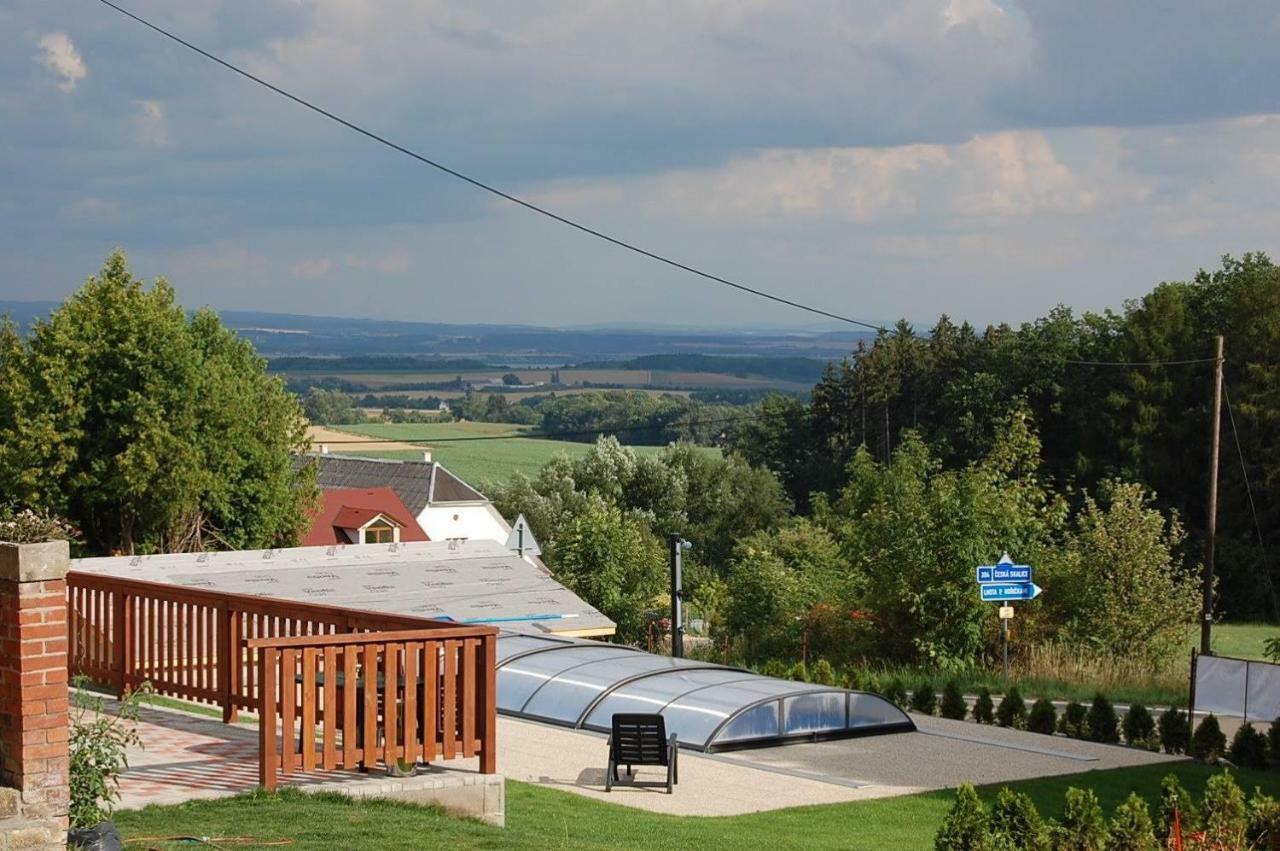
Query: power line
[1152,363]
[1248,489]
[479,184]
[543,211]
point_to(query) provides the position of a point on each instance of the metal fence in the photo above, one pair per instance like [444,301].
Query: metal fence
[1240,688]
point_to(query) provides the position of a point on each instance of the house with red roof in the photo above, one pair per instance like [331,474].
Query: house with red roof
[362,516]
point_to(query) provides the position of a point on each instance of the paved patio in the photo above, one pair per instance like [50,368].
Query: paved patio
[186,757]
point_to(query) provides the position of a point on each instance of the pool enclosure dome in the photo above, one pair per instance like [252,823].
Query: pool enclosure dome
[709,707]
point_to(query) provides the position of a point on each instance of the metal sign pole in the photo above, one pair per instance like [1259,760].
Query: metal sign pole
[1004,634]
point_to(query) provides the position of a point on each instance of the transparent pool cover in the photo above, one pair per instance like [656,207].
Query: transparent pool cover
[580,683]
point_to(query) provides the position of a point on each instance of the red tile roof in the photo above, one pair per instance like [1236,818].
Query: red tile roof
[352,508]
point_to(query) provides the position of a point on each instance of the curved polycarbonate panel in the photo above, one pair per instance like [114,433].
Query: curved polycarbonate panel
[814,713]
[697,715]
[759,722]
[512,645]
[568,695]
[652,694]
[585,683]
[519,678]
[872,710]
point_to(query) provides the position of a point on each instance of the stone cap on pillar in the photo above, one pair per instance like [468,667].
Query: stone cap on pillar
[41,562]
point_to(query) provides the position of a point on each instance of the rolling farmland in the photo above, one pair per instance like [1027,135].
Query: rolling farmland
[492,460]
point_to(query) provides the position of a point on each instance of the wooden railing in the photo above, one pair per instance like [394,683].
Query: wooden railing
[211,647]
[386,697]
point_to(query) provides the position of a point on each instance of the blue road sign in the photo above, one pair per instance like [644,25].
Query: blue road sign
[988,573]
[1010,591]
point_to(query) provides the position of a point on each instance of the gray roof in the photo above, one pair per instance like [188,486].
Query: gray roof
[466,581]
[417,483]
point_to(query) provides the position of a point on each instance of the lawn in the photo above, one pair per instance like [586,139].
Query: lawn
[476,461]
[1242,640]
[548,818]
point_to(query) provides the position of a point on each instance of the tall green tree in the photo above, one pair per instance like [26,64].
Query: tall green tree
[150,429]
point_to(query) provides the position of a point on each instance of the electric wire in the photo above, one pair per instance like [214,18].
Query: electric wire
[1248,489]
[564,220]
[487,187]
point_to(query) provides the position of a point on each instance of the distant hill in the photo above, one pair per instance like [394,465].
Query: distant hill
[807,370]
[300,335]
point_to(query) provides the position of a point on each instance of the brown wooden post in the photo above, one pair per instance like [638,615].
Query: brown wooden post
[228,660]
[119,638]
[487,705]
[267,757]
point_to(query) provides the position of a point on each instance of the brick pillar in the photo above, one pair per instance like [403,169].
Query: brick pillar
[33,689]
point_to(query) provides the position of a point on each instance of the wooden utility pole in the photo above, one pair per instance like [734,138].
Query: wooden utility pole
[1211,527]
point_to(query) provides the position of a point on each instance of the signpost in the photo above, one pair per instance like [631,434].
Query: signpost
[1004,582]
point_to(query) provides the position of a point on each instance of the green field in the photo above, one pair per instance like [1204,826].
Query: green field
[477,461]
[570,376]
[546,818]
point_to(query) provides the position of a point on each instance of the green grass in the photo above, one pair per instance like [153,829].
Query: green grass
[548,818]
[1242,640]
[479,461]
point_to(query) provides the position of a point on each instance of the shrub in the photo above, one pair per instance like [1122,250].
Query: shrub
[1072,722]
[1131,828]
[822,673]
[859,679]
[923,699]
[1043,717]
[1013,710]
[1175,730]
[30,527]
[1208,742]
[1248,748]
[1102,722]
[1140,727]
[1264,822]
[1225,818]
[97,745]
[953,705]
[775,668]
[1175,799]
[965,827]
[984,711]
[1014,818]
[1082,827]
[896,692]
[798,672]
[1273,744]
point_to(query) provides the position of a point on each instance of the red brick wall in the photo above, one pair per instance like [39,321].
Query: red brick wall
[33,695]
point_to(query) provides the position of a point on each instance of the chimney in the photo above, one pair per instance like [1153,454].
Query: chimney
[324,449]
[426,456]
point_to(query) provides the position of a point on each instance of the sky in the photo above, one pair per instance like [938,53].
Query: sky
[981,158]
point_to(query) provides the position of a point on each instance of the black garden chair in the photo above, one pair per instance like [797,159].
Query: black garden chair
[641,739]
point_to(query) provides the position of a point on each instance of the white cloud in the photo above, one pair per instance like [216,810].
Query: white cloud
[60,56]
[150,124]
[312,269]
[999,176]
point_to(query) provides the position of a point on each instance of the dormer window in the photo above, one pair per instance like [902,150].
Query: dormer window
[380,532]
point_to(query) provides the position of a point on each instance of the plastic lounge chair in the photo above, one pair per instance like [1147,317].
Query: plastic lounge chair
[641,739]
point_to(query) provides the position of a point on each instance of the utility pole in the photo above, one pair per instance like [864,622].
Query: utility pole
[678,546]
[1211,527]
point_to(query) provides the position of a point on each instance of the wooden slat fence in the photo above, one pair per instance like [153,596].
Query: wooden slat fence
[211,647]
[376,698]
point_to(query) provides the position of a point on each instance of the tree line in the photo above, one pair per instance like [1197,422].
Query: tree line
[1100,410]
